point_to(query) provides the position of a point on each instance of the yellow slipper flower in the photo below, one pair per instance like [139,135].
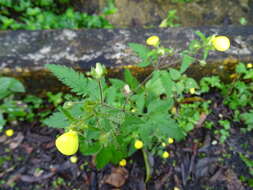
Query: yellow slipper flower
[221,43]
[153,41]
[67,143]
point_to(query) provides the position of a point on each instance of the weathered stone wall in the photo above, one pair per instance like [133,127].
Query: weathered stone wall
[24,53]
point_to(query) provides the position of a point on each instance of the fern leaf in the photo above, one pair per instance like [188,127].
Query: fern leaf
[73,79]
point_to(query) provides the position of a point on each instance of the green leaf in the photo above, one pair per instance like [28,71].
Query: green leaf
[174,74]
[207,82]
[139,100]
[168,127]
[158,105]
[190,83]
[57,120]
[130,79]
[130,124]
[104,156]
[140,50]
[240,68]
[88,149]
[75,80]
[249,75]
[10,85]
[201,35]
[144,63]
[160,83]
[186,62]
[2,122]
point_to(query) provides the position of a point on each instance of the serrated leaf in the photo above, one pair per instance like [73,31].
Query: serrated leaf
[186,62]
[130,79]
[158,105]
[57,120]
[139,100]
[191,83]
[140,50]
[174,74]
[103,157]
[73,79]
[10,85]
[240,68]
[160,83]
[89,148]
[249,75]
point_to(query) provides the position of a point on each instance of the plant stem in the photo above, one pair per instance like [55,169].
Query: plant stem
[101,92]
[147,166]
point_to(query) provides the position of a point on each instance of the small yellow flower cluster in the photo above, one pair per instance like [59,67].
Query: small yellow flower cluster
[138,144]
[170,140]
[165,153]
[221,43]
[68,143]
[9,132]
[123,162]
[73,159]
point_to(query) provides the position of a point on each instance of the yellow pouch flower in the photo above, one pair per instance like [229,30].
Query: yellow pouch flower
[153,41]
[221,43]
[67,143]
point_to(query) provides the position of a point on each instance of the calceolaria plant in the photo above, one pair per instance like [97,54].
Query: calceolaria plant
[114,118]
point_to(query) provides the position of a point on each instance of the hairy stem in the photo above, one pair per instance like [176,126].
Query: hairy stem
[101,92]
[147,166]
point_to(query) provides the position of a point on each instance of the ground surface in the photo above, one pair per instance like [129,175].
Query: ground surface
[30,161]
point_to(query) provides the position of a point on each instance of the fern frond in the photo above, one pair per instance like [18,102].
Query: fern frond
[73,79]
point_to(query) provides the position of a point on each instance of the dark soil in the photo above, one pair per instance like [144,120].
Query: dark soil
[30,161]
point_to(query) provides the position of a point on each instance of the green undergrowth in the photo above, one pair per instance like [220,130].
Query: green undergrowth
[49,14]
[115,118]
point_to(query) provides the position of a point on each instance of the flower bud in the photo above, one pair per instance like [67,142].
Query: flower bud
[98,72]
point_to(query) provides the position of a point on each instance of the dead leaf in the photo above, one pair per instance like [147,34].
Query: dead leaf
[201,120]
[31,179]
[117,178]
[163,180]
[189,100]
[27,148]
[15,142]
[3,138]
[204,166]
[233,183]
